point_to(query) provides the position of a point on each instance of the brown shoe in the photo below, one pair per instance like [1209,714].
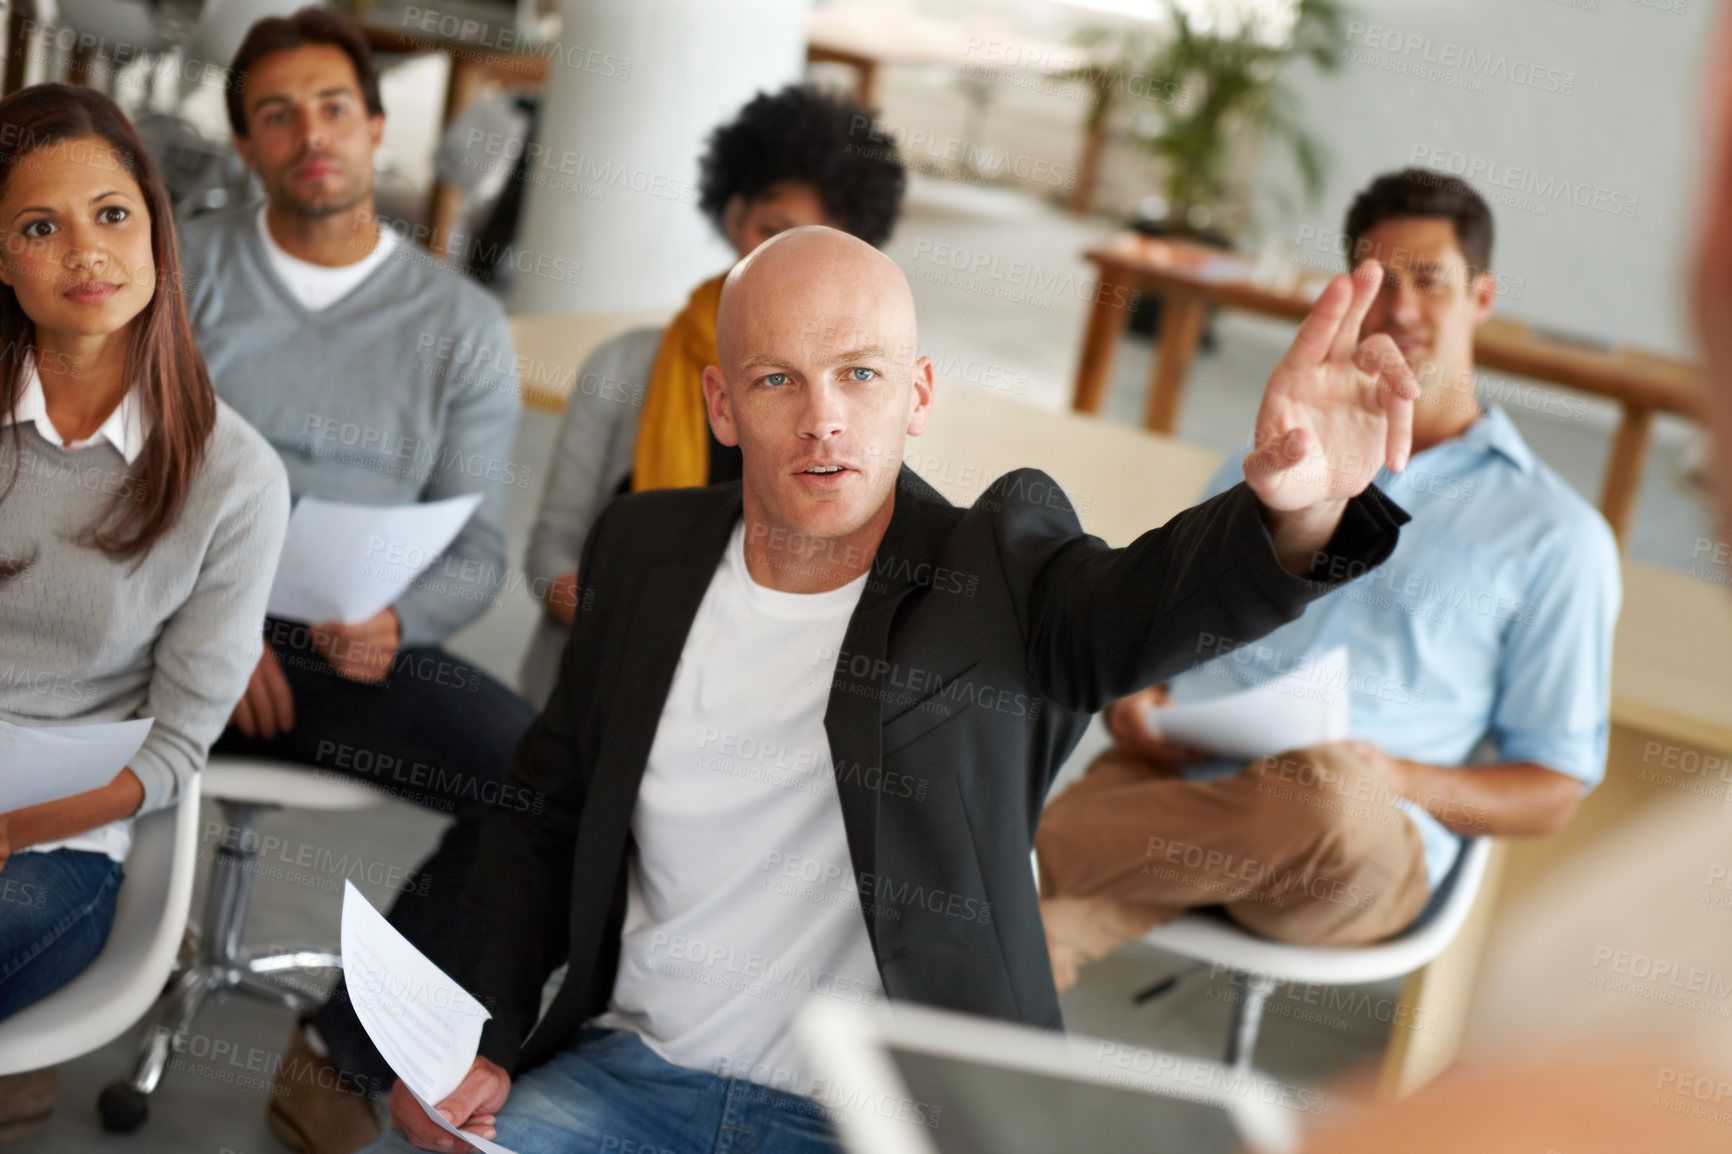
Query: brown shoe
[314,1109]
[26,1103]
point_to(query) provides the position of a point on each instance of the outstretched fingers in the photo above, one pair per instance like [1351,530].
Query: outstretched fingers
[1396,389]
[1315,339]
[1367,280]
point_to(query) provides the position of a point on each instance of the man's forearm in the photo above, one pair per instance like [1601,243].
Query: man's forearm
[1509,800]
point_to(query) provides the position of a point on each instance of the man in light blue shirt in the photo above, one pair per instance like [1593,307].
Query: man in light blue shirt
[1478,676]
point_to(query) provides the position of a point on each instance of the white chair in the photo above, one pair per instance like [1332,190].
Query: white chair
[245,789]
[116,989]
[1259,965]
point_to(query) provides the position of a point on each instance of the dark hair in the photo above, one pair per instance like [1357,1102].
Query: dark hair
[172,385]
[283,33]
[1422,192]
[800,134]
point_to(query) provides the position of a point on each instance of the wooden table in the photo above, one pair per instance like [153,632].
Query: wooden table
[1189,278]
[1123,482]
[1672,660]
[551,348]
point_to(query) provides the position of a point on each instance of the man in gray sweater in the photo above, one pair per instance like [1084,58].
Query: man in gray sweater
[381,378]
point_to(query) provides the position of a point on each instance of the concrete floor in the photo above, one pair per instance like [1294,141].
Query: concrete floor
[215,1103]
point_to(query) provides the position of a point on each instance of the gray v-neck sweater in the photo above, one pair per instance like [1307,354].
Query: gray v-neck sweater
[401,391]
[85,637]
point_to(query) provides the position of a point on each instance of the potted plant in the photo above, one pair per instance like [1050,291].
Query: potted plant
[1206,82]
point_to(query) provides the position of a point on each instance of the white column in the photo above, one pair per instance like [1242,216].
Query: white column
[632,92]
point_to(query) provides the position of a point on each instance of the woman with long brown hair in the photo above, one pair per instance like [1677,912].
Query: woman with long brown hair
[140,522]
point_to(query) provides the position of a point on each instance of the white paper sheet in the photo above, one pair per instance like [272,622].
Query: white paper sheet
[1297,709]
[345,562]
[41,764]
[426,1026]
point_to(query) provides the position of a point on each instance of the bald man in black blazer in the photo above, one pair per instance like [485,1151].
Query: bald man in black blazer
[975,645]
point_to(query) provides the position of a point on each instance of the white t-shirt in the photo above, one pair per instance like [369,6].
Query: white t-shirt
[740,899]
[319,286]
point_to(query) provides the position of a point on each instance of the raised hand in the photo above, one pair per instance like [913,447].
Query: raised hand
[1336,408]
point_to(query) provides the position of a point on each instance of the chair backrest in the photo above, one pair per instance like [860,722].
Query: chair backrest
[1224,943]
[1452,900]
[1446,888]
[257,781]
[124,981]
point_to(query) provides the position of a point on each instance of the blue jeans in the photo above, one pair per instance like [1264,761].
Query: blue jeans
[611,1094]
[56,909]
[436,732]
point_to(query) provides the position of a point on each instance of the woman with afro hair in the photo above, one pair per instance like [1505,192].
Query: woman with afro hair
[636,420]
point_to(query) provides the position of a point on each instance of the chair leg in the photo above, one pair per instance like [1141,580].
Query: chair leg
[172,1017]
[291,959]
[281,976]
[1247,1017]
[231,882]
[124,1104]
[208,958]
[212,963]
[277,990]
[1168,984]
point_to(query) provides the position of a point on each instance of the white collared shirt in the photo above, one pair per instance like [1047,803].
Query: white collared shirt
[125,428]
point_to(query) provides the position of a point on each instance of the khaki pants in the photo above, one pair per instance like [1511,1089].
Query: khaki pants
[1304,847]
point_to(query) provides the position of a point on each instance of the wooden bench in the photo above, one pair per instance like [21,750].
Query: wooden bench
[550,349]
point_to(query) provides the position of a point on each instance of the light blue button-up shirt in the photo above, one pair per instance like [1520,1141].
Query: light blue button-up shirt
[1486,636]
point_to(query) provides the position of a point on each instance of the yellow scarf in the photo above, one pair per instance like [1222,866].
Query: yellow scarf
[673,443]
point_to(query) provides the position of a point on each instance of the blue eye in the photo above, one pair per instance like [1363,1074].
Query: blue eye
[776,380]
[863,374]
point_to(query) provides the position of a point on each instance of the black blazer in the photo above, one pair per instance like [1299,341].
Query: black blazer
[984,641]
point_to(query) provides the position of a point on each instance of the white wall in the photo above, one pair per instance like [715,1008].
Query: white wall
[687,66]
[1628,127]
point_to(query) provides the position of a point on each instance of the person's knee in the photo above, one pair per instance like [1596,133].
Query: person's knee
[1326,805]
[1297,782]
[1069,822]
[1072,805]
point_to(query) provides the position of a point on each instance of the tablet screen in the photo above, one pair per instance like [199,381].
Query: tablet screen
[972,1107]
